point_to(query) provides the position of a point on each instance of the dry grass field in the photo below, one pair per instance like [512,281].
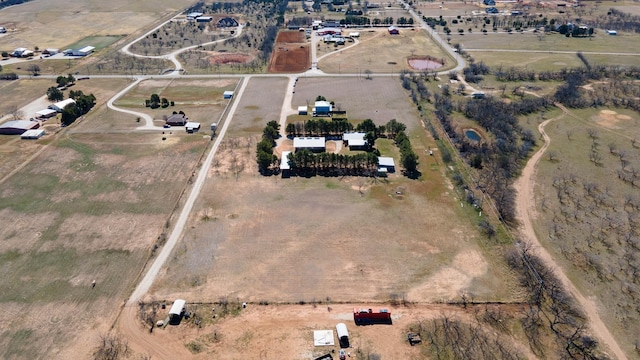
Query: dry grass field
[260,103]
[88,208]
[587,216]
[60,23]
[385,53]
[378,99]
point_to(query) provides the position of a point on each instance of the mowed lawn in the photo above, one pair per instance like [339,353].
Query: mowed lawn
[88,208]
[256,238]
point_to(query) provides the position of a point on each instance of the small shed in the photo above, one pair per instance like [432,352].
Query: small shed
[192,127]
[303,110]
[33,134]
[478,95]
[227,94]
[322,108]
[343,335]
[354,34]
[612,32]
[393,30]
[386,163]
[315,144]
[176,311]
[204,19]
[50,51]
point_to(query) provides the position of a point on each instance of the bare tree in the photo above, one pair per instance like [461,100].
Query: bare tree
[34,69]
[111,347]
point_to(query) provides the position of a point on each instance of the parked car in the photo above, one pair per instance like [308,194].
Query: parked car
[343,354]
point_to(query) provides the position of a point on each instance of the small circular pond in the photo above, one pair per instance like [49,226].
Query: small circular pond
[472,135]
[425,63]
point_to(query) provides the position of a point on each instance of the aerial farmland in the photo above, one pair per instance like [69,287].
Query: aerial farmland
[258,179]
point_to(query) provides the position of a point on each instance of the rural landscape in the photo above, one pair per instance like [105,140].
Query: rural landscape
[327,179]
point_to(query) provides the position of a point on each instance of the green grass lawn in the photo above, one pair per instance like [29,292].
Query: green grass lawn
[99,42]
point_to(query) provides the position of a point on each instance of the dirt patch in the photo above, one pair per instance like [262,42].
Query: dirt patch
[290,37]
[234,58]
[610,118]
[290,53]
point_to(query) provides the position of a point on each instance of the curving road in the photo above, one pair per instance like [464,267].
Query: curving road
[148,119]
[525,207]
[172,56]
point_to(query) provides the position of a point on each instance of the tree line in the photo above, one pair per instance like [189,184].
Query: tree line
[264,148]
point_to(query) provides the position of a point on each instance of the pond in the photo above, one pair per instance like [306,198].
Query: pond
[424,63]
[472,135]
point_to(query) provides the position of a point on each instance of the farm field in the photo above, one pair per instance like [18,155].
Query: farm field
[61,23]
[600,42]
[260,103]
[85,209]
[599,263]
[20,93]
[379,99]
[385,53]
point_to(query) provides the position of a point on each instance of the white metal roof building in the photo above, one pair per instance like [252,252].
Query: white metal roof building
[46,113]
[311,143]
[191,126]
[61,104]
[386,164]
[302,110]
[33,134]
[83,52]
[176,310]
[227,94]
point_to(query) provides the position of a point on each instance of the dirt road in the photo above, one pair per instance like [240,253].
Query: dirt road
[525,207]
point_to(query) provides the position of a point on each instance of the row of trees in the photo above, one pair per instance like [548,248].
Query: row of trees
[305,162]
[264,148]
[83,104]
[408,157]
[155,102]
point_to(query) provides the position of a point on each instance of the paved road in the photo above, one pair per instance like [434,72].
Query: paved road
[147,118]
[554,52]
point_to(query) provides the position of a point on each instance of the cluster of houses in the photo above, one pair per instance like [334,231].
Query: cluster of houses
[353,140]
[30,129]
